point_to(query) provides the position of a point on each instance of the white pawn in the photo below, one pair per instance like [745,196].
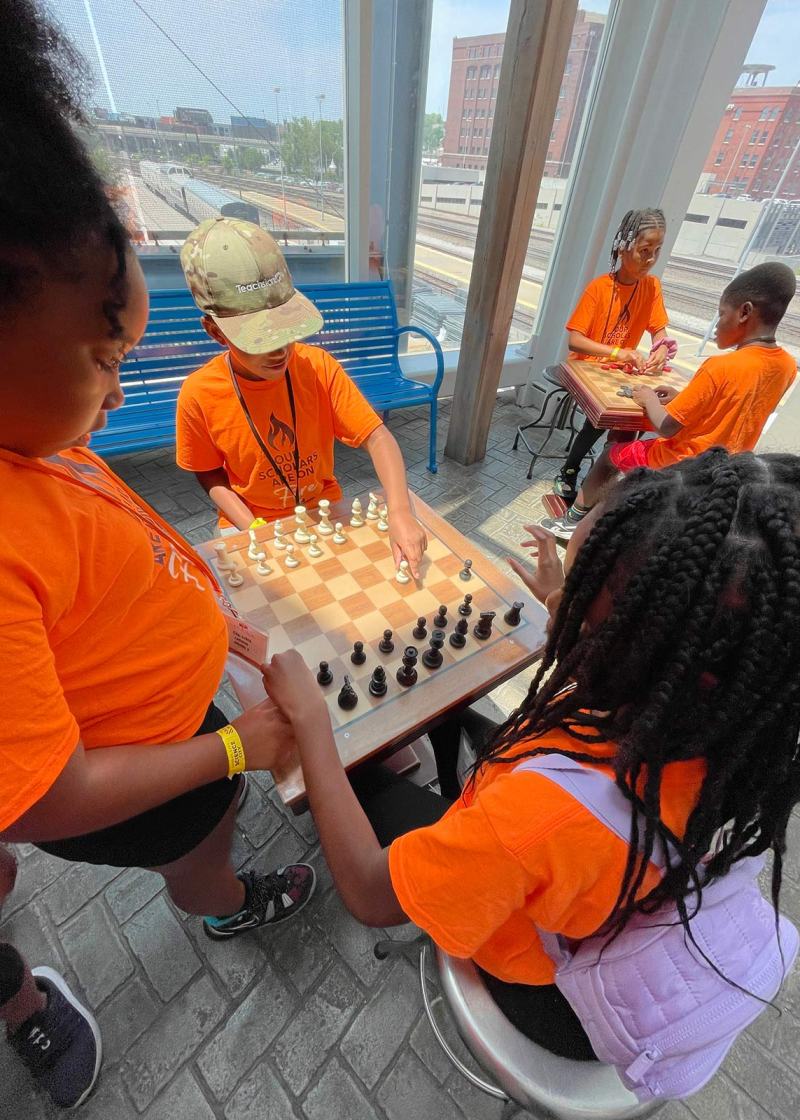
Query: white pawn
[372,508]
[279,541]
[356,517]
[383,520]
[324,528]
[402,573]
[291,559]
[224,563]
[338,536]
[313,548]
[262,567]
[235,579]
[255,551]
[300,533]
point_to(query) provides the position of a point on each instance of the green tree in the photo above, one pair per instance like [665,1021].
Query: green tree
[432,133]
[301,147]
[250,159]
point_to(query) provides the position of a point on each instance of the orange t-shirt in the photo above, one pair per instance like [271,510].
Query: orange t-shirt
[212,430]
[110,629]
[727,403]
[597,315]
[516,853]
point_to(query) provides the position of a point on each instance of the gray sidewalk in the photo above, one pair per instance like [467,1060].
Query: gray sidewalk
[303,1022]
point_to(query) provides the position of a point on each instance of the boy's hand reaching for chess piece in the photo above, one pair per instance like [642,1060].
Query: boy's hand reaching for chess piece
[291,686]
[408,539]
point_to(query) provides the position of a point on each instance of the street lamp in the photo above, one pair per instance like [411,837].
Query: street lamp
[277,91]
[319,99]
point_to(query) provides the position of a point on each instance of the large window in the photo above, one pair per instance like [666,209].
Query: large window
[233,108]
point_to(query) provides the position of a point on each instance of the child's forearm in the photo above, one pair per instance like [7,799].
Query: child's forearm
[387,460]
[217,485]
[583,345]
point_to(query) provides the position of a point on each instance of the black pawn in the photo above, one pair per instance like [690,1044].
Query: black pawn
[432,657]
[358,657]
[466,571]
[441,618]
[511,617]
[458,639]
[348,697]
[324,676]
[483,628]
[466,608]
[377,684]
[407,673]
[420,631]
[386,645]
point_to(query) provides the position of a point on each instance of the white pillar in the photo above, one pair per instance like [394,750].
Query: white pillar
[357,149]
[667,70]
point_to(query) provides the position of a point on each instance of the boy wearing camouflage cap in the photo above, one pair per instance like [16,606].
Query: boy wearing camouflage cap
[257,424]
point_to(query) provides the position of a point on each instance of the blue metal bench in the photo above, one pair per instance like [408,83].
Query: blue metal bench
[360,330]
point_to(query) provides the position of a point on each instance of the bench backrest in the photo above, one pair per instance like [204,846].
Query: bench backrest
[359,330]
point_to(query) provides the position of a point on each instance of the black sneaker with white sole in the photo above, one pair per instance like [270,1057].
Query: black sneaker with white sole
[60,1045]
[269,899]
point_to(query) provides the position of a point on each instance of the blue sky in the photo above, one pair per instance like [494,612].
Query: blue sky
[250,46]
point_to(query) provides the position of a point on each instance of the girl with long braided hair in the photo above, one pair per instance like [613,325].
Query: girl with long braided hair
[610,318]
[672,664]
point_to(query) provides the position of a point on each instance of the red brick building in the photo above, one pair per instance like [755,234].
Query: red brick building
[755,141]
[474,74]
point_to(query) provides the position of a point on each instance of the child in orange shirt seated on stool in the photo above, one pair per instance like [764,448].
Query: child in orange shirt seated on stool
[727,402]
[612,315]
[257,424]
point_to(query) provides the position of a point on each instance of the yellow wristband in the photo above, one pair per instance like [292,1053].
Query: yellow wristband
[614,352]
[259,523]
[233,748]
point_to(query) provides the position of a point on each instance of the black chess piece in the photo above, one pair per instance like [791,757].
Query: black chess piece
[458,639]
[386,645]
[407,673]
[432,657]
[483,627]
[377,684]
[466,607]
[347,698]
[466,571]
[358,657]
[512,615]
[441,618]
[324,676]
[420,631]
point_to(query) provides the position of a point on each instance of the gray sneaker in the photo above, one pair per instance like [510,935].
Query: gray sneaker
[60,1045]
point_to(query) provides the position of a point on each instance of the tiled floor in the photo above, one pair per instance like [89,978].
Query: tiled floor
[303,1023]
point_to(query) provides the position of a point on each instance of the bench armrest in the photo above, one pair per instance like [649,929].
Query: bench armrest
[426,334]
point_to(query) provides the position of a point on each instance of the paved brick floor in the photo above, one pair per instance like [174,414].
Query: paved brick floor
[302,1023]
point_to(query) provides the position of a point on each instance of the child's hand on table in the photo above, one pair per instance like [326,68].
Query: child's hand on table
[548,576]
[291,685]
[629,358]
[408,540]
[666,393]
[644,394]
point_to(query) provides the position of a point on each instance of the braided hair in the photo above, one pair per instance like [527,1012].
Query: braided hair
[54,201]
[634,223]
[699,657]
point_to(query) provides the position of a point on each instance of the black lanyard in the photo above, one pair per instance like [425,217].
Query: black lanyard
[290,392]
[624,313]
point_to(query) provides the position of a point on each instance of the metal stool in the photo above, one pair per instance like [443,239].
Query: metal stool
[563,417]
[524,1074]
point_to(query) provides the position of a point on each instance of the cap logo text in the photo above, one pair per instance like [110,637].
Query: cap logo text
[262,283]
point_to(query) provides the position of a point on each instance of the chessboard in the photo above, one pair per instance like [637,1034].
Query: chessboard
[597,391]
[350,594]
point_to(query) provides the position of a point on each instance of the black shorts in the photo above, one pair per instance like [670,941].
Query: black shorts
[160,835]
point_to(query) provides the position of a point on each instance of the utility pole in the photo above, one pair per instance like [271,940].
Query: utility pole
[320,98]
[277,92]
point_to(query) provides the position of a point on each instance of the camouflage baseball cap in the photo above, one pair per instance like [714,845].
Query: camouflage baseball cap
[238,275]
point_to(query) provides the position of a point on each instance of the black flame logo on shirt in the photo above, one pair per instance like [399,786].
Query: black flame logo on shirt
[280,436]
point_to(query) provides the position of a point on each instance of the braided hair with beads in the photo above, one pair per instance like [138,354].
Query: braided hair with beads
[634,223]
[698,657]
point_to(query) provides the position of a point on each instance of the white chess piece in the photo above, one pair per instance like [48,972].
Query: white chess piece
[372,508]
[325,529]
[262,567]
[278,541]
[235,579]
[313,548]
[338,536]
[301,532]
[383,520]
[402,573]
[255,551]
[356,517]
[224,563]
[291,559]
